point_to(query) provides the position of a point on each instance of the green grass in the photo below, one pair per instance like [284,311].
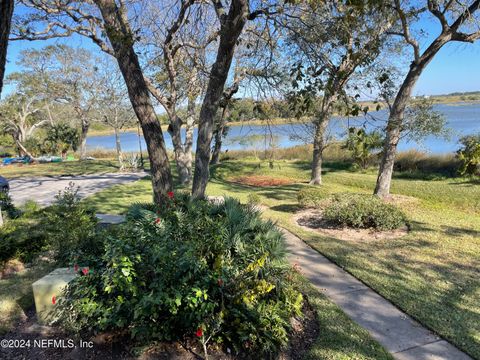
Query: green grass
[339,337]
[56,169]
[16,295]
[432,273]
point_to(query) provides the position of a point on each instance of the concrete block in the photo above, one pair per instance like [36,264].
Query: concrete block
[48,289]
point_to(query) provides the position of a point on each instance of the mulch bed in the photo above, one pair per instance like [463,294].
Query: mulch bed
[261,181]
[109,346]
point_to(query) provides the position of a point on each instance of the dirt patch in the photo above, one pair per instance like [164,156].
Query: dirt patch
[261,181]
[312,219]
[11,267]
[396,199]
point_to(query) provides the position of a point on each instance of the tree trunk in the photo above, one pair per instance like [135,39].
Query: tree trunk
[118,145]
[181,158]
[318,147]
[6,13]
[217,147]
[121,38]
[397,114]
[83,139]
[232,27]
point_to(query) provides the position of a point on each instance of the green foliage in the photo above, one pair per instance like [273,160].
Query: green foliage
[71,228]
[22,236]
[6,205]
[421,121]
[188,265]
[312,196]
[254,199]
[363,211]
[469,155]
[61,138]
[362,144]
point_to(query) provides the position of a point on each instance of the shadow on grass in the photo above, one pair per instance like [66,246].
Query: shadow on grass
[286,208]
[407,273]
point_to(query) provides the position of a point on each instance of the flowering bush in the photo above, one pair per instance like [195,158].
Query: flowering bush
[189,268]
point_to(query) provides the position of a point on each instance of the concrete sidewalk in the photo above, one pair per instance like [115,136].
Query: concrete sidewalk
[43,189]
[402,336]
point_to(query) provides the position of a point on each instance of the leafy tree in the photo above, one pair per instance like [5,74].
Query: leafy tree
[20,117]
[61,138]
[362,144]
[469,154]
[108,24]
[454,18]
[353,35]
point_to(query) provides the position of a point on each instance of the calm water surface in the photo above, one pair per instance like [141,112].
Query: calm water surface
[463,119]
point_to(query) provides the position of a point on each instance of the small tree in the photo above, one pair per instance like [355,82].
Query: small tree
[362,144]
[469,155]
[61,138]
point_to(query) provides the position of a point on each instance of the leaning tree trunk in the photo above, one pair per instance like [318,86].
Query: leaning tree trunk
[6,13]
[121,38]
[83,138]
[231,29]
[318,147]
[397,113]
[217,147]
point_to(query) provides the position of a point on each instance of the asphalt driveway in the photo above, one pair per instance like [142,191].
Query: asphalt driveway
[43,189]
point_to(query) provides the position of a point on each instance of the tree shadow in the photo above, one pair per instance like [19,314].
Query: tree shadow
[456,231]
[287,208]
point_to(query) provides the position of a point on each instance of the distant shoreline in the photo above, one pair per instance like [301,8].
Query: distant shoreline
[279,121]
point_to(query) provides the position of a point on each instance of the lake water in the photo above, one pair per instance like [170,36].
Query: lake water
[462,119]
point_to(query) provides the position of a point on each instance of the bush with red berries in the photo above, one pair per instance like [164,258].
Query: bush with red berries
[189,269]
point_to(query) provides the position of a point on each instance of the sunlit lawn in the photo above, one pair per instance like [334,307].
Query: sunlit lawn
[433,273]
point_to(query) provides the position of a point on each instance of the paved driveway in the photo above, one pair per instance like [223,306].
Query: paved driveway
[43,189]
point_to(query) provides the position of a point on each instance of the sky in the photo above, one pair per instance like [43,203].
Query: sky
[456,68]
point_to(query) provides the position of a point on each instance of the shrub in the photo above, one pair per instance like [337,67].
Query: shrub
[469,155]
[24,236]
[6,205]
[363,211]
[71,228]
[312,196]
[190,268]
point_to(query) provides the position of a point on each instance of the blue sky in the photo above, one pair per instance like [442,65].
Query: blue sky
[456,68]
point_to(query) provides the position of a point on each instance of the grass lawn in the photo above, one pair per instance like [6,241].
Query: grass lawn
[432,273]
[16,294]
[75,167]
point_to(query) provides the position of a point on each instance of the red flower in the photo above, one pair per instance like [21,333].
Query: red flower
[170,194]
[157,220]
[220,282]
[54,299]
[199,332]
[85,271]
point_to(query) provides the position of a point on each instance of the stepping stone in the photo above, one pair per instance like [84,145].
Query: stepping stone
[108,219]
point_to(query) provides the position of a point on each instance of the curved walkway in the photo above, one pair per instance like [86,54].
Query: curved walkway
[402,336]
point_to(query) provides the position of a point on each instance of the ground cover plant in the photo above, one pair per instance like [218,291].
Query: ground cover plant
[438,260]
